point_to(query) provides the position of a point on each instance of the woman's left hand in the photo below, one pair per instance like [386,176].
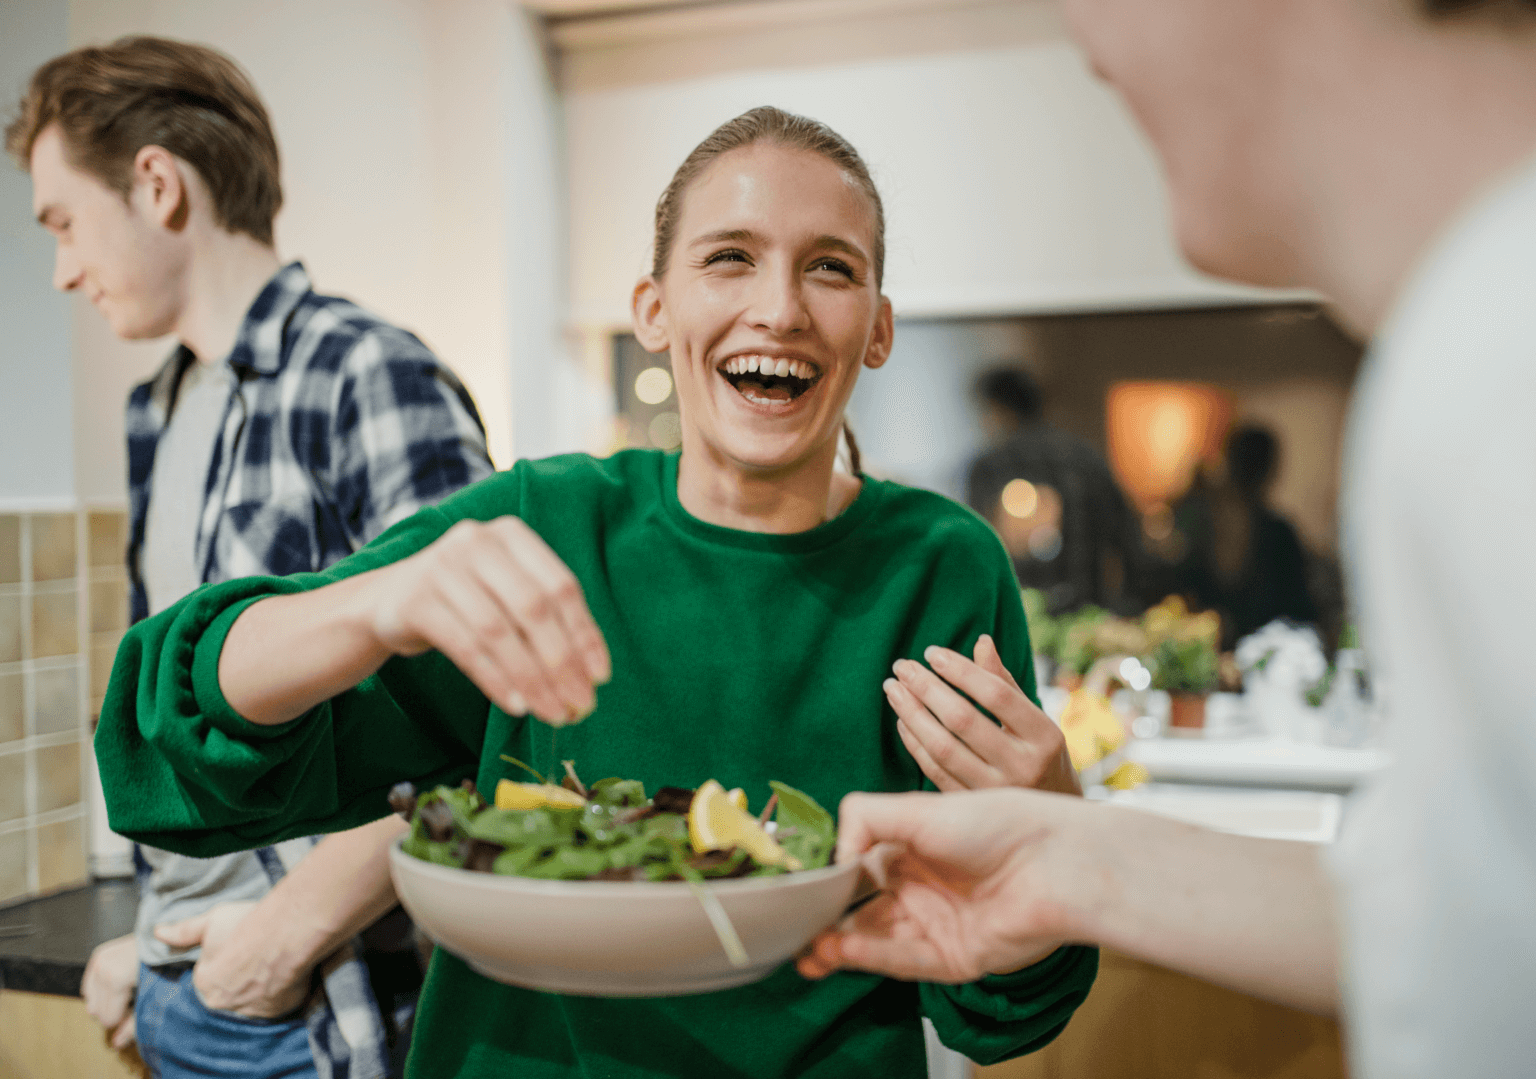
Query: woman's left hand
[956,744]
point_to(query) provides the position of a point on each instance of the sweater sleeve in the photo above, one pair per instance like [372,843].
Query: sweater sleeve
[1007,1015]
[182,771]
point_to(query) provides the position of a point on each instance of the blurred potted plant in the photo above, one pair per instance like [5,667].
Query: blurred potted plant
[1044,633]
[1184,661]
[1077,644]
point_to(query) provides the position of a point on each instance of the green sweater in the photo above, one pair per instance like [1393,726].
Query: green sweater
[737,656]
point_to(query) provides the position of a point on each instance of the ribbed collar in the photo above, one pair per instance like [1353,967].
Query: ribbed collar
[819,538]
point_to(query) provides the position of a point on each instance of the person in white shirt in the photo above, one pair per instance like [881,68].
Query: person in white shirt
[1384,152]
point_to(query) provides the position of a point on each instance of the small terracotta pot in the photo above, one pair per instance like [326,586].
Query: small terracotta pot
[1187,710]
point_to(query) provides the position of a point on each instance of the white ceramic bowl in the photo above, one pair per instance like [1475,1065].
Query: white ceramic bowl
[617,938]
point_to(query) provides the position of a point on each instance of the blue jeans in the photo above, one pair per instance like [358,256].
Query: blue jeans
[180,1038]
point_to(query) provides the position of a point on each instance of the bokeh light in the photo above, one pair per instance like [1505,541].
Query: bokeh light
[1020,499]
[653,385]
[1134,674]
[666,429]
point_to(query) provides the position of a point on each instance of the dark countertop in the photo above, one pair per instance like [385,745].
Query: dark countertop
[44,943]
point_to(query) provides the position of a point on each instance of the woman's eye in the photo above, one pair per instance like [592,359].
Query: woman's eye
[835,265]
[731,255]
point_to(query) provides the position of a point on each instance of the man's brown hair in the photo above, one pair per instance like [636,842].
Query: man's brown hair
[111,101]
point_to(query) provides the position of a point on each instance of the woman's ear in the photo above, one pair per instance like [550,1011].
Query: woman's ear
[650,320]
[160,188]
[879,349]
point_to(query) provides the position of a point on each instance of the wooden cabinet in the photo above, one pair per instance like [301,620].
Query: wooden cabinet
[1145,1022]
[1140,1022]
[49,1037]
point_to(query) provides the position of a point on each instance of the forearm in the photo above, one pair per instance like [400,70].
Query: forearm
[1253,914]
[286,654]
[342,887]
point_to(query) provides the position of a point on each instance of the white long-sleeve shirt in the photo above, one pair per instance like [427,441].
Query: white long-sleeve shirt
[1437,863]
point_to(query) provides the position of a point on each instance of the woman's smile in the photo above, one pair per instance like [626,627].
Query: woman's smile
[770,381]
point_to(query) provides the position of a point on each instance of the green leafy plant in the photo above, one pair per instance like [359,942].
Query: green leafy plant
[1077,644]
[1044,630]
[1184,666]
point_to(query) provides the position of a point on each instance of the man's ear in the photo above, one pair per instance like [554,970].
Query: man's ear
[649,315]
[879,349]
[159,188]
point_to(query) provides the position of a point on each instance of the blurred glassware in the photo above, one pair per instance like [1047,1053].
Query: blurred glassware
[1347,707]
[1226,716]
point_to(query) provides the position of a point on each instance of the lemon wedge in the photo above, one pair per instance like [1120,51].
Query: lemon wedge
[737,798]
[718,822]
[510,795]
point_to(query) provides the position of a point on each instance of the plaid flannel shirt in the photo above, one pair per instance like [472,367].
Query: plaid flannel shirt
[338,426]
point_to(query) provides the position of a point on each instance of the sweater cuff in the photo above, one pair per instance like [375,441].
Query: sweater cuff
[1063,961]
[209,695]
[1005,1015]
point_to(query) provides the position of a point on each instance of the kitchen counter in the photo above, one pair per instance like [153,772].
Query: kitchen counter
[45,943]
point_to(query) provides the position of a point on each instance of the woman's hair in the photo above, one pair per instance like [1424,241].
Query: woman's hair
[764,124]
[768,124]
[111,101]
[1516,8]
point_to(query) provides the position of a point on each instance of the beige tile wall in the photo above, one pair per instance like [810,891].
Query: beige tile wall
[107,594]
[62,609]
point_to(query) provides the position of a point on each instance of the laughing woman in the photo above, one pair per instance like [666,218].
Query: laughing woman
[729,611]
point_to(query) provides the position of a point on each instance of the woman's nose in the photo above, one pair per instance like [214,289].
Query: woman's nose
[778,304]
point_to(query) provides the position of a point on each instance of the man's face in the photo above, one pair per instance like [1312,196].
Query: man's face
[113,252]
[1204,79]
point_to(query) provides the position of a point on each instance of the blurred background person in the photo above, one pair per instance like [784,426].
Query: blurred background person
[1243,560]
[1053,499]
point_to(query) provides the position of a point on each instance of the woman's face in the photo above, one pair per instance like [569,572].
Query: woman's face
[769,307]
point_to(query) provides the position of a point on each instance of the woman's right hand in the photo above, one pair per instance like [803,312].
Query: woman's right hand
[494,599]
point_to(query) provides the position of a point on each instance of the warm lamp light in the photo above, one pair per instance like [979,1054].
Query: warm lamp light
[1020,499]
[1159,432]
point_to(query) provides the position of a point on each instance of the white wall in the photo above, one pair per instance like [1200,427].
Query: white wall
[1014,181]
[417,181]
[36,414]
[915,418]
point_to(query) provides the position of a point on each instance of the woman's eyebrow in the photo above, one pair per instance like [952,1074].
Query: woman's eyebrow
[837,243]
[726,236]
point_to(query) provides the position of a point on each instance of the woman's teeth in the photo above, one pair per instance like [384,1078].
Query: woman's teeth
[767,365]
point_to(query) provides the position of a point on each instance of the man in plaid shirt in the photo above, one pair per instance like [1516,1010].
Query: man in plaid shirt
[285,431]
